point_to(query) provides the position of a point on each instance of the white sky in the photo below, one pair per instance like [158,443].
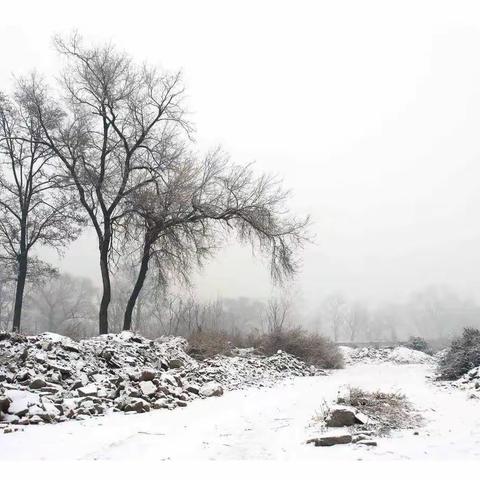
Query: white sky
[369,110]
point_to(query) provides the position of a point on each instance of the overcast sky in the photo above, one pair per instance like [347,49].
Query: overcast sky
[369,110]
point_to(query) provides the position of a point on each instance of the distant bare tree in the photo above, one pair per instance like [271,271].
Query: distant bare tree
[115,131]
[334,311]
[277,314]
[356,320]
[35,205]
[63,305]
[183,218]
[7,297]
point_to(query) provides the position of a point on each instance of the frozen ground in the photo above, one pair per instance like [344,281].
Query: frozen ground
[264,424]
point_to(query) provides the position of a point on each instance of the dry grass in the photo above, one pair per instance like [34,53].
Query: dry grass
[388,410]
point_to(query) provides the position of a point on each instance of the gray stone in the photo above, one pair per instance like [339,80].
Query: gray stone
[331,440]
[147,375]
[176,363]
[88,390]
[368,443]
[4,404]
[341,417]
[211,389]
[38,383]
[148,388]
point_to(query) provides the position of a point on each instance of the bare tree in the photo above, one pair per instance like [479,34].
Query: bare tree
[184,217]
[334,311]
[113,134]
[64,304]
[35,205]
[277,314]
[356,320]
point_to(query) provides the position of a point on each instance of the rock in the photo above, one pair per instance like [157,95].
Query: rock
[341,417]
[176,363]
[138,405]
[331,440]
[193,389]
[160,403]
[38,383]
[362,419]
[211,389]
[21,401]
[4,404]
[88,390]
[369,443]
[359,437]
[147,375]
[148,388]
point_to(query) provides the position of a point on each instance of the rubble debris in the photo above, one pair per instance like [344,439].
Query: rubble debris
[50,378]
[398,355]
[470,381]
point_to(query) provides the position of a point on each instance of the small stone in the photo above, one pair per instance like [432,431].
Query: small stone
[211,389]
[147,388]
[88,390]
[147,375]
[368,443]
[176,363]
[4,404]
[38,383]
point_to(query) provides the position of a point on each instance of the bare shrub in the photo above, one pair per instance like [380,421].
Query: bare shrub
[462,356]
[208,343]
[310,347]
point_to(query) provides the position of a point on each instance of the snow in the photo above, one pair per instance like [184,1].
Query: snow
[407,355]
[269,423]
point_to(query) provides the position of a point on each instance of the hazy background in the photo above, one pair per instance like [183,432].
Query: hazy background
[369,110]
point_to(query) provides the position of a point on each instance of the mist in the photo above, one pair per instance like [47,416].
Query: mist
[372,125]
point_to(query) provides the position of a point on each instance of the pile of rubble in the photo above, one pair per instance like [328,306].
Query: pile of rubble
[398,355]
[470,382]
[50,378]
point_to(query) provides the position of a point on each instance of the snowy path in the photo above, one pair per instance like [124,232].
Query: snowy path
[263,424]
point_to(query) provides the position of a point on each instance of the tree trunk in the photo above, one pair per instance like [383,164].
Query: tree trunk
[21,279]
[107,289]
[127,320]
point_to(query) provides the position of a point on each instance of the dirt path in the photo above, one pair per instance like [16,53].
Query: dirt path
[263,424]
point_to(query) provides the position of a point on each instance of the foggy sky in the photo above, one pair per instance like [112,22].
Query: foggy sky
[369,110]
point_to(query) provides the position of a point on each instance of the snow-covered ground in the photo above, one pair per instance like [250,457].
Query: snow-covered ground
[270,423]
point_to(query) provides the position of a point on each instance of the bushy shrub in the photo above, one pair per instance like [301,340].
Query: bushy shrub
[309,347]
[462,356]
[420,344]
[207,343]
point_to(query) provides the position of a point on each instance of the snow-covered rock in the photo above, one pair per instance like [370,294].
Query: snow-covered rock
[397,355]
[211,389]
[407,355]
[50,378]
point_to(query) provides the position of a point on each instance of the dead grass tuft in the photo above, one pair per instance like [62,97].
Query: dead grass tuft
[388,410]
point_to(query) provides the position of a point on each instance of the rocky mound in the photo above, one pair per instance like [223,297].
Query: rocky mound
[470,382]
[51,378]
[398,355]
